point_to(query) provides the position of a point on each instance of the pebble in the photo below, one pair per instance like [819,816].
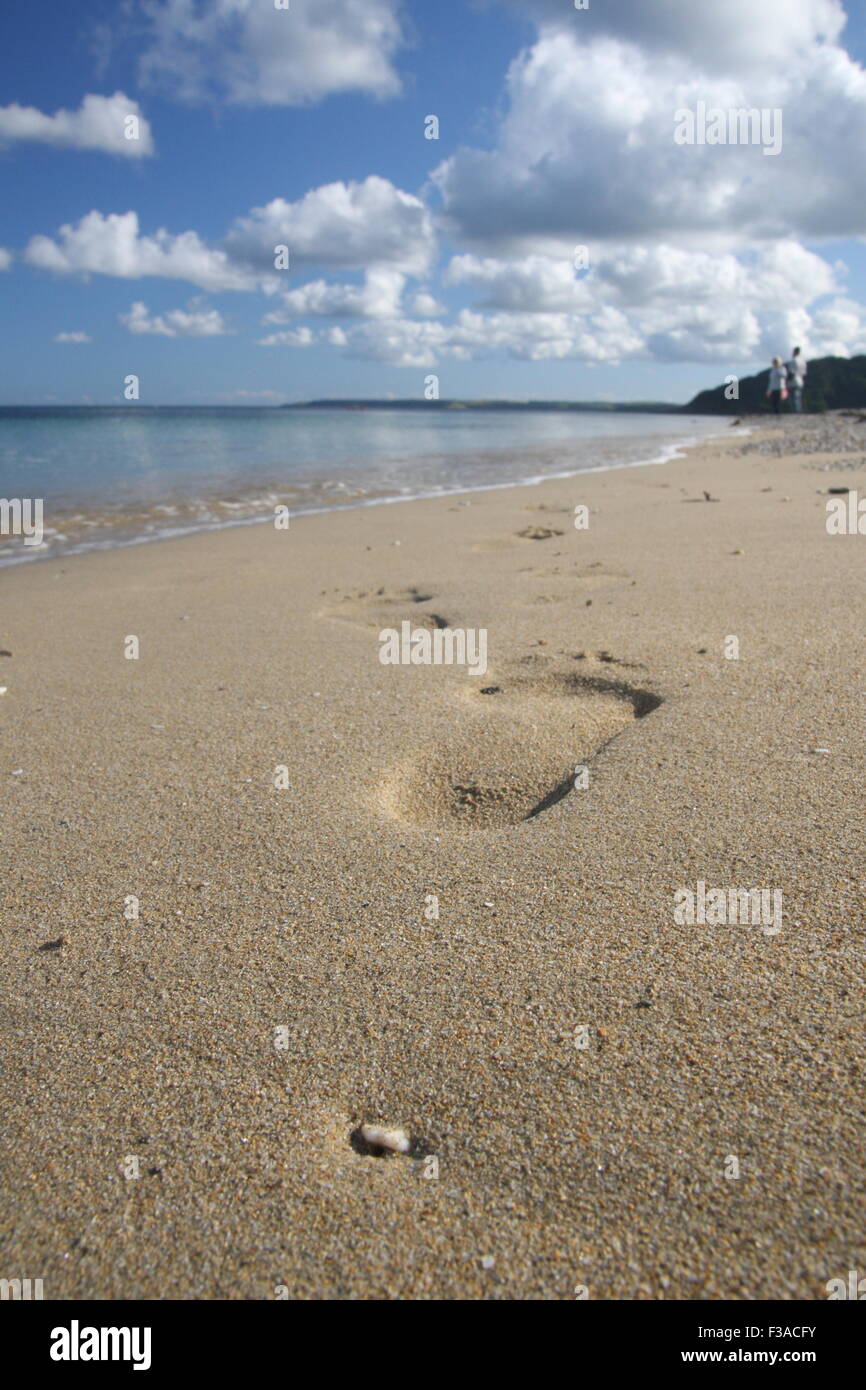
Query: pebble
[381,1137]
[831,433]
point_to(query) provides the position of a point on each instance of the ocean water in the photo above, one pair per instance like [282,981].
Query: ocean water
[111,476]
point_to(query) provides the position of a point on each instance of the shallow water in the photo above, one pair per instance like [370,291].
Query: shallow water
[119,476]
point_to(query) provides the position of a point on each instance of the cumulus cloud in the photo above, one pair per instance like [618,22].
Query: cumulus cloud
[5,258]
[72,337]
[657,303]
[377,298]
[533,284]
[602,337]
[837,329]
[342,226]
[253,54]
[399,342]
[586,149]
[426,306]
[371,226]
[695,253]
[289,337]
[192,322]
[737,34]
[672,304]
[112,245]
[112,124]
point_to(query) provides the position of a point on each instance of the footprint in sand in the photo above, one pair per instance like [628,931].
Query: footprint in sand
[606,659]
[512,753]
[539,533]
[510,540]
[581,583]
[380,608]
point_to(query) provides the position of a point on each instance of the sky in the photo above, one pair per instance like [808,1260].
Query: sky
[567,235]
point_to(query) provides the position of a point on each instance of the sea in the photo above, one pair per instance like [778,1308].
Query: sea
[114,476]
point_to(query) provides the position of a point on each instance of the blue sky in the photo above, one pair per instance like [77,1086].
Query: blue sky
[408,256]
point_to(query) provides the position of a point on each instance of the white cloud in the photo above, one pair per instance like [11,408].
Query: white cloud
[669,303]
[192,322]
[836,330]
[657,303]
[341,226]
[377,298]
[399,342]
[100,123]
[250,53]
[695,253]
[289,337]
[735,35]
[370,226]
[780,275]
[5,258]
[537,284]
[112,245]
[72,338]
[586,150]
[426,306]
[604,336]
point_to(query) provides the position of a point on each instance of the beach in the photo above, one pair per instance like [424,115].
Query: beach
[373,893]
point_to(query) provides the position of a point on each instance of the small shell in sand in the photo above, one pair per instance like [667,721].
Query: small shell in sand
[378,1137]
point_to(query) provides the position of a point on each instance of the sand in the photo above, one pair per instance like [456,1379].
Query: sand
[582,1069]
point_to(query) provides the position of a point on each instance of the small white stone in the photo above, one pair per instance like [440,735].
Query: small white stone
[488,1261]
[379,1137]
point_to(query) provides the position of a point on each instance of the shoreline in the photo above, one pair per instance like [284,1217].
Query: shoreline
[669,453]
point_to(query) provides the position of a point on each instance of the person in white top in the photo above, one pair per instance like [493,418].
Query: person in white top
[796,370]
[777,390]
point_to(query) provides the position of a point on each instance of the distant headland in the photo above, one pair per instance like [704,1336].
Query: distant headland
[635,407]
[833,383]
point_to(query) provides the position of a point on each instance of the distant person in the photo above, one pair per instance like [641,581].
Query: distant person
[796,380]
[777,390]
